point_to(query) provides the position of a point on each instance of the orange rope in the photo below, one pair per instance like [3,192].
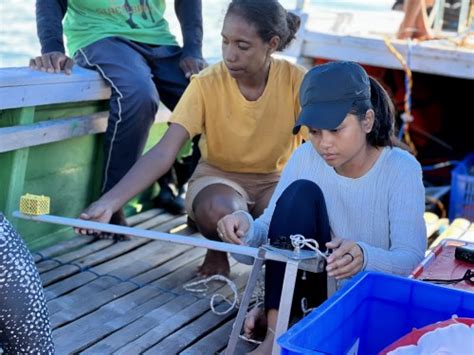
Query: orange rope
[407,117]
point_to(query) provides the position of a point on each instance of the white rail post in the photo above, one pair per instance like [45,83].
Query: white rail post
[244,304]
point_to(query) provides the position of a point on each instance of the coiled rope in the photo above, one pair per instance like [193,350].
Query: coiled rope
[201,286]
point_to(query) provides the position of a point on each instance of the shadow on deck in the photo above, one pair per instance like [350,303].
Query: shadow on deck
[127,297]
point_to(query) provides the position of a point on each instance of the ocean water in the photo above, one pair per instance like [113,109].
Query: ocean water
[19,43]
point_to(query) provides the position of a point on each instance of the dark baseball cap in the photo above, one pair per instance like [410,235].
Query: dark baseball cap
[328,93]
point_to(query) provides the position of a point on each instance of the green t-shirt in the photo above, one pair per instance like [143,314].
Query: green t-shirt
[88,21]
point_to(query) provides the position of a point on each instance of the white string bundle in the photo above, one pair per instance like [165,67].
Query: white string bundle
[194,287]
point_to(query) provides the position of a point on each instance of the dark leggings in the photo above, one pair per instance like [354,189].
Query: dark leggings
[24,321]
[301,209]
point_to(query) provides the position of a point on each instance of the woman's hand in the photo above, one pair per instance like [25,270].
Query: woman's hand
[346,260]
[233,227]
[99,211]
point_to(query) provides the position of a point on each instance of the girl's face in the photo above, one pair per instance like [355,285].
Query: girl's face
[245,53]
[344,148]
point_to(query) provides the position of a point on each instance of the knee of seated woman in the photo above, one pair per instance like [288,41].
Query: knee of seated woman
[304,187]
[209,212]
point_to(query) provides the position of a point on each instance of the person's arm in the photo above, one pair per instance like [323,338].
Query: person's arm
[143,173]
[240,228]
[49,16]
[189,13]
[407,226]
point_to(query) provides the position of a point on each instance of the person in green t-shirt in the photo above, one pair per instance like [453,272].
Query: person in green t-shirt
[129,43]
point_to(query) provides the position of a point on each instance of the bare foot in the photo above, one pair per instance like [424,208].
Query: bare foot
[254,318]
[215,262]
[255,326]
[265,348]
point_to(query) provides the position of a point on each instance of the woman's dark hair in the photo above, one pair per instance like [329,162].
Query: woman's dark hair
[269,17]
[382,133]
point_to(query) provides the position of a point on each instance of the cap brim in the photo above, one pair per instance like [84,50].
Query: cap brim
[323,115]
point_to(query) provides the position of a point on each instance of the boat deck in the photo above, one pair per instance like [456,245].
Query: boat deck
[127,297]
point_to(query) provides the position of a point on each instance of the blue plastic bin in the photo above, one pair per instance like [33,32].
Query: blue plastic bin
[371,312]
[461,202]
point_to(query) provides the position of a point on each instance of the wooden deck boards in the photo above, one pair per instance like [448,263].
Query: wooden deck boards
[128,298]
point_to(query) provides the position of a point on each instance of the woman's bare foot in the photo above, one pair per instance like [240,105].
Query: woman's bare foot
[255,326]
[255,319]
[215,262]
[265,348]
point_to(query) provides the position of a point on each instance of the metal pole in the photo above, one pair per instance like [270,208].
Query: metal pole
[244,304]
[286,301]
[144,233]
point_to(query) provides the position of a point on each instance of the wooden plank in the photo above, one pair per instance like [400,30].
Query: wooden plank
[24,76]
[174,322]
[213,342]
[17,137]
[21,87]
[122,284]
[179,340]
[70,257]
[105,254]
[371,49]
[62,248]
[115,249]
[121,311]
[76,243]
[44,132]
[144,216]
[70,284]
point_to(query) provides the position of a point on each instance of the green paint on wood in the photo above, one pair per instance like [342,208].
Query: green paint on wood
[69,171]
[14,174]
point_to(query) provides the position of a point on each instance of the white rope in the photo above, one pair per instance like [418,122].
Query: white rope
[299,242]
[304,307]
[194,287]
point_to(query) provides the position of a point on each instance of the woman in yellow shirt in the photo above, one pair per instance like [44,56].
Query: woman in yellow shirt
[244,108]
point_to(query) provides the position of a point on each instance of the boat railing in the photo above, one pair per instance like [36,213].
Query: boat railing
[50,141]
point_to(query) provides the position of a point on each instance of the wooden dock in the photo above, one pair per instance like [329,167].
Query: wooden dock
[127,297]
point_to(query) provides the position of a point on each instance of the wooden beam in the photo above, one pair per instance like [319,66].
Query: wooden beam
[426,57]
[17,137]
[21,87]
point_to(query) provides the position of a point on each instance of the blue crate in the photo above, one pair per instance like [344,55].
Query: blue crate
[461,203]
[371,312]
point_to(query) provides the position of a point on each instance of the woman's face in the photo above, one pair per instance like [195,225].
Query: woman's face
[344,147]
[243,50]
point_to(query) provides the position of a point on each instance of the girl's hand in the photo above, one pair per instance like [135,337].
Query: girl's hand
[233,227]
[346,260]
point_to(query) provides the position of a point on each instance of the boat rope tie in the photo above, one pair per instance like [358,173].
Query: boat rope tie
[299,242]
[201,286]
[406,116]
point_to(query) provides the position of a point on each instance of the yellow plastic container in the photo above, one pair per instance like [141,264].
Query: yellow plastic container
[34,204]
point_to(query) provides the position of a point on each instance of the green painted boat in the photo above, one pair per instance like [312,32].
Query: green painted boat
[51,127]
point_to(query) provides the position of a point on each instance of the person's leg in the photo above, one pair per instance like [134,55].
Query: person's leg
[301,209]
[171,83]
[133,104]
[210,205]
[24,319]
